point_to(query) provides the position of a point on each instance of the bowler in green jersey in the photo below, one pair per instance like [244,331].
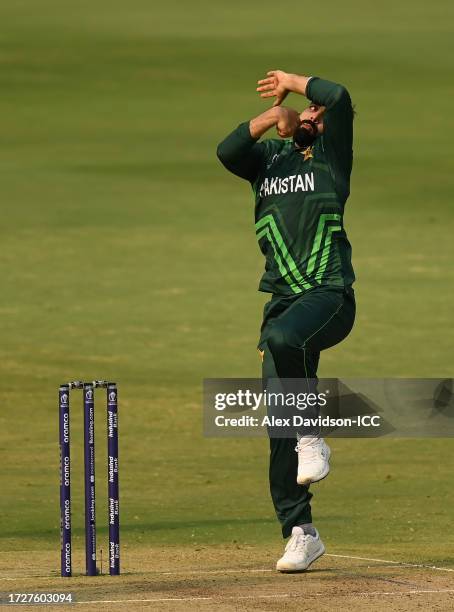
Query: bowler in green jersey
[301,182]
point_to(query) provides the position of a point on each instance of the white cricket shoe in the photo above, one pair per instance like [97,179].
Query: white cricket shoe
[313,460]
[302,549]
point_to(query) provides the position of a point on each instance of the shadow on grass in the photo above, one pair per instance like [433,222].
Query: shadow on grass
[153,526]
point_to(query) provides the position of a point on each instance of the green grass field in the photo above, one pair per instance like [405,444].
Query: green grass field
[129,253]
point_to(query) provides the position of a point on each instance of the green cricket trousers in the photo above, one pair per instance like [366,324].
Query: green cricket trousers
[294,331]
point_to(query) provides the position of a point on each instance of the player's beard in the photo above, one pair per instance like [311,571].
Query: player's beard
[303,137]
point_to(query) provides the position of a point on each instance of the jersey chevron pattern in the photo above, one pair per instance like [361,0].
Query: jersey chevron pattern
[300,197]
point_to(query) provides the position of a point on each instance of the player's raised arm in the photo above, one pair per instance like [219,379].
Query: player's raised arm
[333,110]
[240,152]
[337,120]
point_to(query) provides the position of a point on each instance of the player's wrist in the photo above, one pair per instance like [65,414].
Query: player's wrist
[290,81]
[297,83]
[278,112]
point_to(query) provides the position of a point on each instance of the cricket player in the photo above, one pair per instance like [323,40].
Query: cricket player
[301,182]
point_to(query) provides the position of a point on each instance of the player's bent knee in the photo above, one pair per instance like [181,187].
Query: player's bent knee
[277,343]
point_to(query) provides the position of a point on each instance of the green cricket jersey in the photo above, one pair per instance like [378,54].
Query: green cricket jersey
[300,197]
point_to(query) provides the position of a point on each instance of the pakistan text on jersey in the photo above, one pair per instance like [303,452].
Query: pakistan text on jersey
[289,184]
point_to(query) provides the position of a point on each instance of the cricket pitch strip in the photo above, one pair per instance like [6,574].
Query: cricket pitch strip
[232,578]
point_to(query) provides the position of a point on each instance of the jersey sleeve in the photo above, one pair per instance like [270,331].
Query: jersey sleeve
[241,154]
[338,126]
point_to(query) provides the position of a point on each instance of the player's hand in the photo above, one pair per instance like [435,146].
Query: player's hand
[274,86]
[288,120]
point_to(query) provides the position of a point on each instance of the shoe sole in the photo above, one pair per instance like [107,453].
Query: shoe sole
[299,571]
[308,481]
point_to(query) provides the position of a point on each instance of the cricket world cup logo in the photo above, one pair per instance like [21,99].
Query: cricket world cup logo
[64,398]
[112,396]
[89,395]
